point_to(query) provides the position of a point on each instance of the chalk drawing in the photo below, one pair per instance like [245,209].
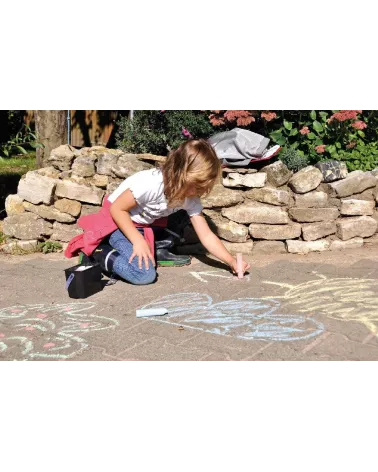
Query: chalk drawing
[341,298]
[45,331]
[243,318]
[216,273]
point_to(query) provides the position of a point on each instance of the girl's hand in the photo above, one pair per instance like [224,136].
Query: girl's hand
[234,266]
[143,252]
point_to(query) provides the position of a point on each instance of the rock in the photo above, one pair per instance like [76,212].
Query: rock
[328,189]
[82,193]
[255,212]
[360,226]
[375,216]
[353,243]
[313,199]
[151,157]
[13,205]
[304,247]
[83,166]
[128,165]
[105,162]
[332,170]
[20,247]
[49,172]
[356,182]
[310,215]
[112,187]
[89,209]
[269,247]
[72,207]
[246,180]
[238,170]
[242,248]
[49,213]
[368,194]
[36,188]
[101,181]
[357,207]
[222,197]
[26,226]
[269,195]
[373,241]
[65,232]
[275,232]
[277,173]
[66,174]
[62,157]
[374,172]
[306,179]
[225,228]
[313,231]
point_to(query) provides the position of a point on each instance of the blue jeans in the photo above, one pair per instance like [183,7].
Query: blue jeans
[130,272]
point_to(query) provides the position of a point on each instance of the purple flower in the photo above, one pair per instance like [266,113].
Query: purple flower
[186,133]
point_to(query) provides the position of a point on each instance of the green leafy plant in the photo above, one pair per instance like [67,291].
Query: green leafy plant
[2,237]
[157,132]
[49,246]
[293,159]
[362,157]
[24,139]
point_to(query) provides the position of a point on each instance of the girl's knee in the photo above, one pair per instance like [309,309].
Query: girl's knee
[143,276]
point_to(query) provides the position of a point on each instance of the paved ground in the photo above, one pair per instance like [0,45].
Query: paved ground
[318,307]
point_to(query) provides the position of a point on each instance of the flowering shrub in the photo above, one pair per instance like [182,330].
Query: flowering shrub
[158,132]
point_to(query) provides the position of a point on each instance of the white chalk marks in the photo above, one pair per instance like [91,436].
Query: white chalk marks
[342,298]
[243,318]
[203,276]
[43,331]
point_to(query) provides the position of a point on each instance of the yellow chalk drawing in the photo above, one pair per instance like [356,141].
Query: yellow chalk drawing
[343,298]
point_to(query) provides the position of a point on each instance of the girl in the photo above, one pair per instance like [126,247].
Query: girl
[142,199]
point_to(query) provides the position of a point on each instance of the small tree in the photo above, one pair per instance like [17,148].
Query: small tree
[51,130]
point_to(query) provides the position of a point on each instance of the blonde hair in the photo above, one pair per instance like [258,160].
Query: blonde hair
[193,164]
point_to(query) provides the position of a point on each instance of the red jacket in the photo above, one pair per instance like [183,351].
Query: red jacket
[99,225]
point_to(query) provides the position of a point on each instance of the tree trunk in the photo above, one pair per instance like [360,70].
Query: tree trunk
[51,129]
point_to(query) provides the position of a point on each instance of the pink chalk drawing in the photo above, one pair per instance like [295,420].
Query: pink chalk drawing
[63,334]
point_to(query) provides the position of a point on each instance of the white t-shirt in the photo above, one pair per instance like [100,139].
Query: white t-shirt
[147,188]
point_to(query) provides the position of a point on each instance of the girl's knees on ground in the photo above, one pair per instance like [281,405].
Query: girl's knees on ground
[143,276]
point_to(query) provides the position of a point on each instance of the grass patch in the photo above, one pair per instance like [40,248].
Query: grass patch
[18,165]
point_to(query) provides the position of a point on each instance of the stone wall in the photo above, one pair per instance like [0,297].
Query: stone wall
[267,211]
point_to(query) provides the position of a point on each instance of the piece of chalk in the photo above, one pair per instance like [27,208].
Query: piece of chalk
[151,312]
[239,265]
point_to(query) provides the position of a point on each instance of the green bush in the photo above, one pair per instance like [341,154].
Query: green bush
[362,157]
[158,132]
[294,159]
[49,246]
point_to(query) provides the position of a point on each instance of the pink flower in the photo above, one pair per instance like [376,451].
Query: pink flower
[186,133]
[304,130]
[344,115]
[359,125]
[320,149]
[268,116]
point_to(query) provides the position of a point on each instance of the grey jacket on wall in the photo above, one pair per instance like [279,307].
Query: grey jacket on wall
[238,147]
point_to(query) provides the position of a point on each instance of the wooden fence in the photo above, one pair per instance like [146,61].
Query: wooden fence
[90,127]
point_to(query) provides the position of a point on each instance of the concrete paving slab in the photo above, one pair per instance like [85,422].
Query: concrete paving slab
[289,307]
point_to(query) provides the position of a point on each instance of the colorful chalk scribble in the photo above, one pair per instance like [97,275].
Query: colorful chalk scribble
[243,318]
[42,331]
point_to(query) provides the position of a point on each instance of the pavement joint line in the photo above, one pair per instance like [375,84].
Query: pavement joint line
[137,345]
[317,341]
